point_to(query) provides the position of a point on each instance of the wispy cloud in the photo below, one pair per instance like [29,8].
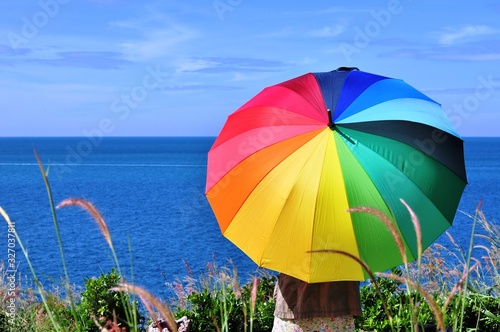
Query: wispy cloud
[198,87]
[487,56]
[156,43]
[50,56]
[306,61]
[452,91]
[85,59]
[229,64]
[439,54]
[328,32]
[332,10]
[465,33]
[196,64]
[157,36]
[9,51]
[104,1]
[286,32]
[485,50]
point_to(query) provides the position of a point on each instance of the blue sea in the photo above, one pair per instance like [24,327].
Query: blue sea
[151,194]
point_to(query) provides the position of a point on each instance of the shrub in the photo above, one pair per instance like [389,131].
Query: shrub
[481,312]
[397,300]
[99,302]
[216,302]
[263,316]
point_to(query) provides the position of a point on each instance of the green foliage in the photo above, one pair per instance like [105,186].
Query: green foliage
[31,314]
[227,309]
[3,321]
[99,302]
[402,306]
[482,311]
[207,310]
[60,311]
[374,316]
[263,317]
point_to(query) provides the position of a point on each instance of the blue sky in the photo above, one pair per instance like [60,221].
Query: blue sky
[179,68]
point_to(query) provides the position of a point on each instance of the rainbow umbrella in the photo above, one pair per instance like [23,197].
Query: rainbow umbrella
[289,163]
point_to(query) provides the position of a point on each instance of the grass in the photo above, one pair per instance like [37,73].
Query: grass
[447,287]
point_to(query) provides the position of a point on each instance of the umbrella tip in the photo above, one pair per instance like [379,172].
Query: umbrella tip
[346,68]
[330,122]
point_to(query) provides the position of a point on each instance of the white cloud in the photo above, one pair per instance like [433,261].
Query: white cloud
[157,43]
[457,35]
[306,61]
[195,64]
[238,77]
[281,33]
[469,57]
[329,32]
[158,37]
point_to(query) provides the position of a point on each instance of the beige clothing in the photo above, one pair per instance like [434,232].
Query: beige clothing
[297,299]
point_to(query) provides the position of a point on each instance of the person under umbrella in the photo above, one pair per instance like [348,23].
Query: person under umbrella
[326,306]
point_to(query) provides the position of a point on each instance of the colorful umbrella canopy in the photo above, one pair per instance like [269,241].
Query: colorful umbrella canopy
[289,163]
